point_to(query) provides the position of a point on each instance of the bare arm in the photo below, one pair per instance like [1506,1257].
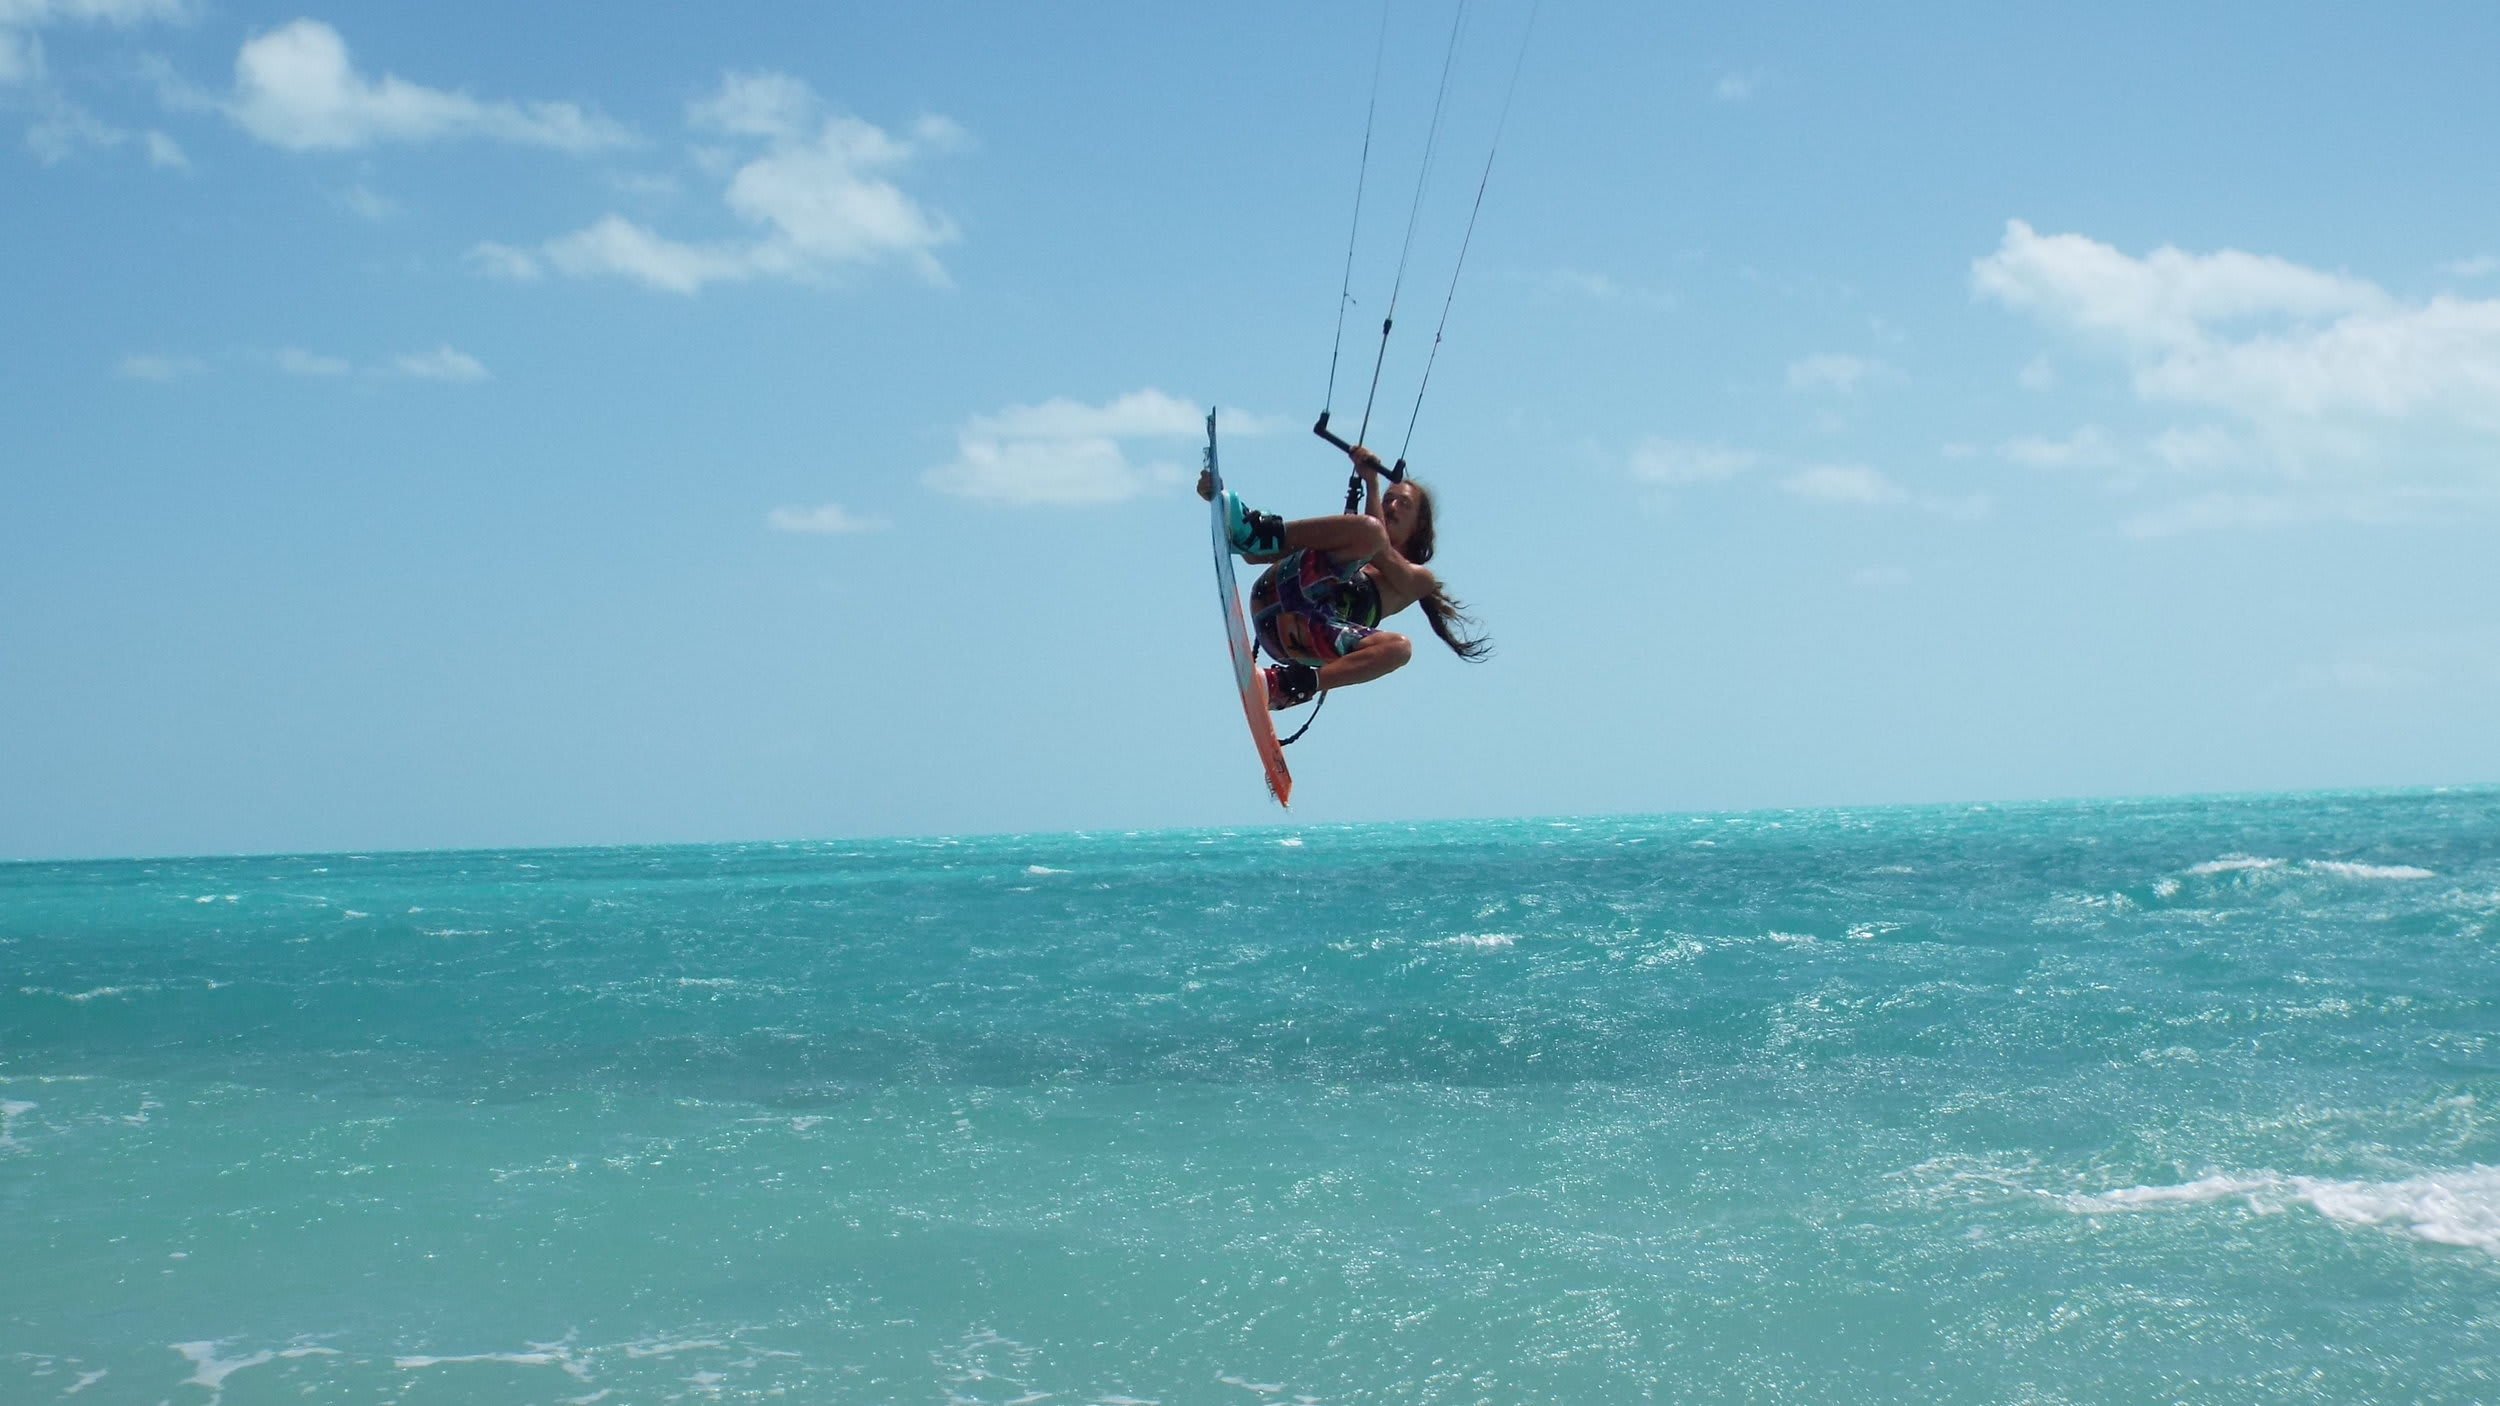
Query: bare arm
[1367,464]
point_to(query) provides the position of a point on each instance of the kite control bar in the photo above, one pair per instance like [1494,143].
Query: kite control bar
[1396,472]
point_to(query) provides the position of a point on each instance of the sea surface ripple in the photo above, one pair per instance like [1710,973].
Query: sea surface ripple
[2090,1102]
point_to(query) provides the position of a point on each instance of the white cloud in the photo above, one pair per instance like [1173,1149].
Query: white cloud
[295,87]
[1735,87]
[2166,300]
[1249,424]
[818,197]
[2475,267]
[2038,374]
[504,261]
[2258,336]
[1138,413]
[773,105]
[2346,394]
[148,366]
[2198,447]
[440,364]
[21,58]
[1669,461]
[21,51]
[1064,451]
[1843,483]
[829,518]
[618,246]
[66,130]
[2207,512]
[366,203]
[2441,358]
[2086,447]
[1833,371]
[1601,288]
[34,14]
[295,361]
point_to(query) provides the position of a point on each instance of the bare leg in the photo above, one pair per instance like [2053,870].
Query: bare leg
[1345,536]
[1383,653]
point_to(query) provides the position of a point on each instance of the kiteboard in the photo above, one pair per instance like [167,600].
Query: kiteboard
[1246,673]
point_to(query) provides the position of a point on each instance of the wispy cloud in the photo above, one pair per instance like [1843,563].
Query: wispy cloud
[2086,447]
[21,45]
[440,364]
[1673,461]
[366,203]
[1852,484]
[149,366]
[817,192]
[21,58]
[295,361]
[1836,372]
[2209,512]
[1735,87]
[2479,266]
[1064,451]
[66,129]
[296,87]
[828,518]
[1600,288]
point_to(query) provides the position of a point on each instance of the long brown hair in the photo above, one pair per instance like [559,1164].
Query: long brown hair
[1447,614]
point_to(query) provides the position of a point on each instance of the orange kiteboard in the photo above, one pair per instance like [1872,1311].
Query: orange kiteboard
[1246,675]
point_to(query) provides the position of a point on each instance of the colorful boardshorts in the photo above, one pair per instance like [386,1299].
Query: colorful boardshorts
[1310,608]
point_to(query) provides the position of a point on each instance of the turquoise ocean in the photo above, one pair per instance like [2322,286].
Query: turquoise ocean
[2187,1100]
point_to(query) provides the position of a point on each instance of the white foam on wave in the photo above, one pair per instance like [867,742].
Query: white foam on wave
[2233,864]
[2345,869]
[1042,869]
[2444,1208]
[210,1370]
[1479,941]
[664,1349]
[79,996]
[540,1358]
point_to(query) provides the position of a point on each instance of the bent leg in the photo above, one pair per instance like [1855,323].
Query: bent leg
[1385,651]
[1345,536]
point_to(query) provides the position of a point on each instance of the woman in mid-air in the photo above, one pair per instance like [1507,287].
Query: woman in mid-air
[1318,608]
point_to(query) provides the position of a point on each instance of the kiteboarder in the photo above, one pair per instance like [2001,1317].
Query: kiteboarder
[1330,581]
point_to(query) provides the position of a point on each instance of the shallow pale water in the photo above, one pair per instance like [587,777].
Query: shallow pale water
[2110,1102]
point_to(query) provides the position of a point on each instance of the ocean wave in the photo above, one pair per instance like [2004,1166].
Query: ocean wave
[2233,864]
[2460,1207]
[2344,869]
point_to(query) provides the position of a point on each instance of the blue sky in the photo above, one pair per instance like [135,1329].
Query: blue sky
[453,425]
